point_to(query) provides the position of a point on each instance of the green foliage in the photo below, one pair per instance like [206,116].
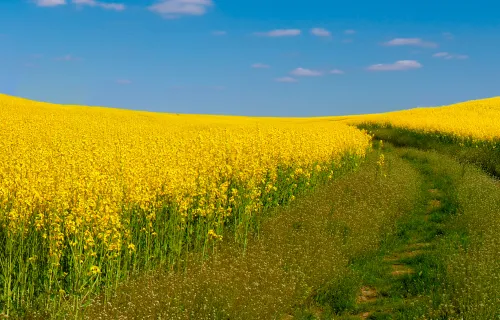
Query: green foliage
[340,294]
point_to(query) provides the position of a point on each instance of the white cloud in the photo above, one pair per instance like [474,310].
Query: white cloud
[112,6]
[280,33]
[68,57]
[440,54]
[90,3]
[260,66]
[410,42]
[104,5]
[336,71]
[49,3]
[320,32]
[301,72]
[178,8]
[219,33]
[448,56]
[123,81]
[286,79]
[400,65]
[350,31]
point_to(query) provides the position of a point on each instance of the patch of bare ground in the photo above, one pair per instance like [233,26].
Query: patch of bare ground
[399,269]
[403,255]
[317,312]
[367,294]
[435,192]
[417,246]
[433,204]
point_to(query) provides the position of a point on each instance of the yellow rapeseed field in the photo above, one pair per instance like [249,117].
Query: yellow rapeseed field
[90,194]
[475,120]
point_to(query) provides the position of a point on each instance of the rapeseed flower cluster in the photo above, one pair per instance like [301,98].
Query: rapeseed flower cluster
[89,194]
[475,121]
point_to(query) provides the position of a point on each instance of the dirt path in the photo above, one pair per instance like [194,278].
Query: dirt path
[400,280]
[408,265]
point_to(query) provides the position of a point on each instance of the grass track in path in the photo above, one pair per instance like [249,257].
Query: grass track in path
[302,251]
[398,280]
[442,260]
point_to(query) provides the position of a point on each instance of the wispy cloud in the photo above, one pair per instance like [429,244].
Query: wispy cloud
[178,87]
[292,54]
[177,8]
[49,3]
[336,71]
[90,3]
[400,65]
[410,42]
[260,66]
[219,33]
[217,88]
[350,31]
[197,87]
[32,58]
[286,79]
[448,56]
[100,4]
[280,33]
[302,72]
[440,54]
[124,81]
[461,56]
[320,32]
[448,35]
[68,57]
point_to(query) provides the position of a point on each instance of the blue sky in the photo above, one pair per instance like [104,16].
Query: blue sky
[260,57]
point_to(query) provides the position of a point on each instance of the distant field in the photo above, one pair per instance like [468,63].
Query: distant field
[472,121]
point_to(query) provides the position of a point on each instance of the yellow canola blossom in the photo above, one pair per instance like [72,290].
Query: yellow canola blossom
[92,161]
[88,185]
[477,120]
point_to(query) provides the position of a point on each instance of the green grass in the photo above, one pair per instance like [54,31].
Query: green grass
[448,241]
[484,155]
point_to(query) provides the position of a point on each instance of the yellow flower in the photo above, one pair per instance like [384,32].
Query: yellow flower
[213,235]
[475,120]
[79,174]
[95,270]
